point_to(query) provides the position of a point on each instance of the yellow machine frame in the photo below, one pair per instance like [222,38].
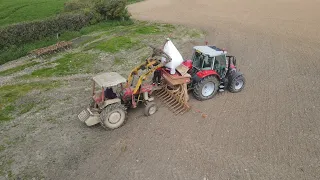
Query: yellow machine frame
[148,64]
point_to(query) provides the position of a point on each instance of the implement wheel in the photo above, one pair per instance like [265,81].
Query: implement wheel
[113,116]
[206,88]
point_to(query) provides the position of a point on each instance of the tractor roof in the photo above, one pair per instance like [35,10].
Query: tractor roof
[210,50]
[109,79]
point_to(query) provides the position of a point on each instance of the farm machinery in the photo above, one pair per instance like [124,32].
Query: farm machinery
[112,94]
[209,71]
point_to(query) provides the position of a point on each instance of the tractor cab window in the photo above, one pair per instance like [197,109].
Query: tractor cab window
[196,59]
[207,63]
[220,64]
[221,60]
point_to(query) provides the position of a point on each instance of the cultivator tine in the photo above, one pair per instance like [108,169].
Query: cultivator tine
[162,93]
[167,98]
[181,111]
[170,102]
[178,108]
[174,99]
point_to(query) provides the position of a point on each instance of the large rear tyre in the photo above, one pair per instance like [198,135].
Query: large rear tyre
[206,88]
[237,84]
[150,109]
[113,116]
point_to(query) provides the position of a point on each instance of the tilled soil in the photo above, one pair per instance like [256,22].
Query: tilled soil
[268,131]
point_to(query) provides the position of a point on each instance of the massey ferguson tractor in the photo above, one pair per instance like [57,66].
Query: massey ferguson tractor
[211,71]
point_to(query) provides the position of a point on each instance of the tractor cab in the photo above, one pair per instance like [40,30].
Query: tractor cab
[106,87]
[209,58]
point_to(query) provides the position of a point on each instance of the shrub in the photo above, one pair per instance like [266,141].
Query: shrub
[74,5]
[28,32]
[112,9]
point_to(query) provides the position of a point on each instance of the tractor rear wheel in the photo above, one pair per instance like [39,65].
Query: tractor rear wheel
[237,84]
[206,88]
[150,108]
[113,116]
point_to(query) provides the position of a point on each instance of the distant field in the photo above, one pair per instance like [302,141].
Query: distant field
[14,11]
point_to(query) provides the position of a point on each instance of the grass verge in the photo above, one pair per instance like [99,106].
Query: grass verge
[68,65]
[116,44]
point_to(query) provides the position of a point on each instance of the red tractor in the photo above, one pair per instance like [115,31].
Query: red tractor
[211,71]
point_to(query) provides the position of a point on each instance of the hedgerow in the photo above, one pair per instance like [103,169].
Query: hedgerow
[78,14]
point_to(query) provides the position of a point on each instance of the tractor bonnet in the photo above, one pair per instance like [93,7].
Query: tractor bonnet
[109,79]
[209,50]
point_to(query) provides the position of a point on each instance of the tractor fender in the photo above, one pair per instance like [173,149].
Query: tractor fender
[110,101]
[202,74]
[188,63]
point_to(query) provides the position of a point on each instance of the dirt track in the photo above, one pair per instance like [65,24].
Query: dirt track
[268,131]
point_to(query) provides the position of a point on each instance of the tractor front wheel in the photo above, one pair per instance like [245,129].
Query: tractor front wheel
[150,108]
[113,116]
[206,88]
[237,84]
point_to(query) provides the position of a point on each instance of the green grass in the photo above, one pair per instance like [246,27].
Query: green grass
[152,29]
[105,26]
[2,148]
[26,107]
[14,11]
[118,61]
[17,69]
[68,65]
[108,27]
[3,168]
[116,44]
[195,35]
[15,52]
[9,94]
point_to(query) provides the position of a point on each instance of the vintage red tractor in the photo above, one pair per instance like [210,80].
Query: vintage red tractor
[211,71]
